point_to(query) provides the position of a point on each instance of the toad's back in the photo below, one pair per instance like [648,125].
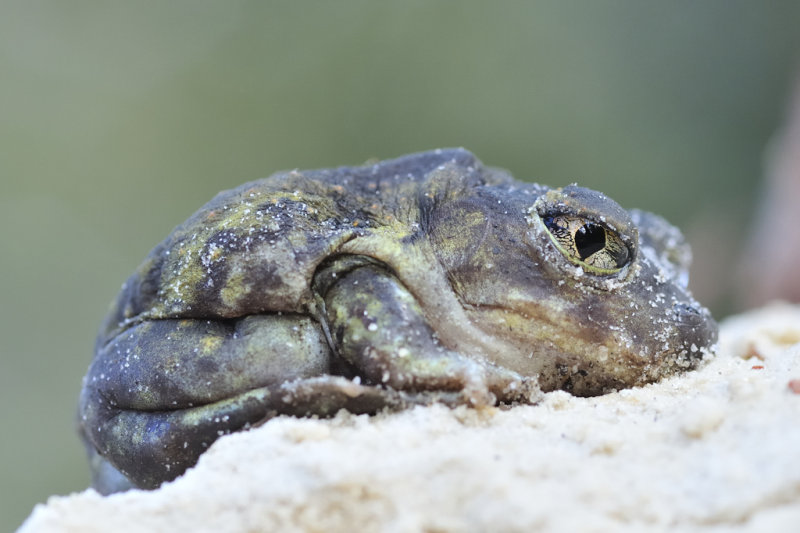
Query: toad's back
[255,248]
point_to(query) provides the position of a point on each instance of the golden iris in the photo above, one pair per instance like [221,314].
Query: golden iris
[593,246]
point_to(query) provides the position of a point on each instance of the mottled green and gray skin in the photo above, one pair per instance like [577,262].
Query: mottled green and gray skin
[425,278]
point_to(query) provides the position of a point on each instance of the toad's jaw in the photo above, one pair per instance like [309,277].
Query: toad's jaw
[564,353]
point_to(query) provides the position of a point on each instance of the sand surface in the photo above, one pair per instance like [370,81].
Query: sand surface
[717,449]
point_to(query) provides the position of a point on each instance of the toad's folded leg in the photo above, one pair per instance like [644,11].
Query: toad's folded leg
[375,323]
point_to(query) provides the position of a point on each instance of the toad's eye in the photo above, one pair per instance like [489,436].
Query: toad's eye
[593,246]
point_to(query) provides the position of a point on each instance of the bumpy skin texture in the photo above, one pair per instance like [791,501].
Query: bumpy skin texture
[425,278]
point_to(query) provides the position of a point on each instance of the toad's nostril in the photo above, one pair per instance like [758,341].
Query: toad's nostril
[688,314]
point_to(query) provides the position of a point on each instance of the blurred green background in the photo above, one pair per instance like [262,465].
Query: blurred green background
[119,119]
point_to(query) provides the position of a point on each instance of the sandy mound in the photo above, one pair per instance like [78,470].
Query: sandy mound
[714,450]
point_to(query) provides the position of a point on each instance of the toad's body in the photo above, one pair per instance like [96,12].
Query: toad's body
[424,278]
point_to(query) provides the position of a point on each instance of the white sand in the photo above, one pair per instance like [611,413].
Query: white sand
[713,450]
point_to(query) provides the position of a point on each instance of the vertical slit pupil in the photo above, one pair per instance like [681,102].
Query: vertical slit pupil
[590,238]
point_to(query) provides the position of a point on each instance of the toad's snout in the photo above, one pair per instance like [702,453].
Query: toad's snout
[698,331]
